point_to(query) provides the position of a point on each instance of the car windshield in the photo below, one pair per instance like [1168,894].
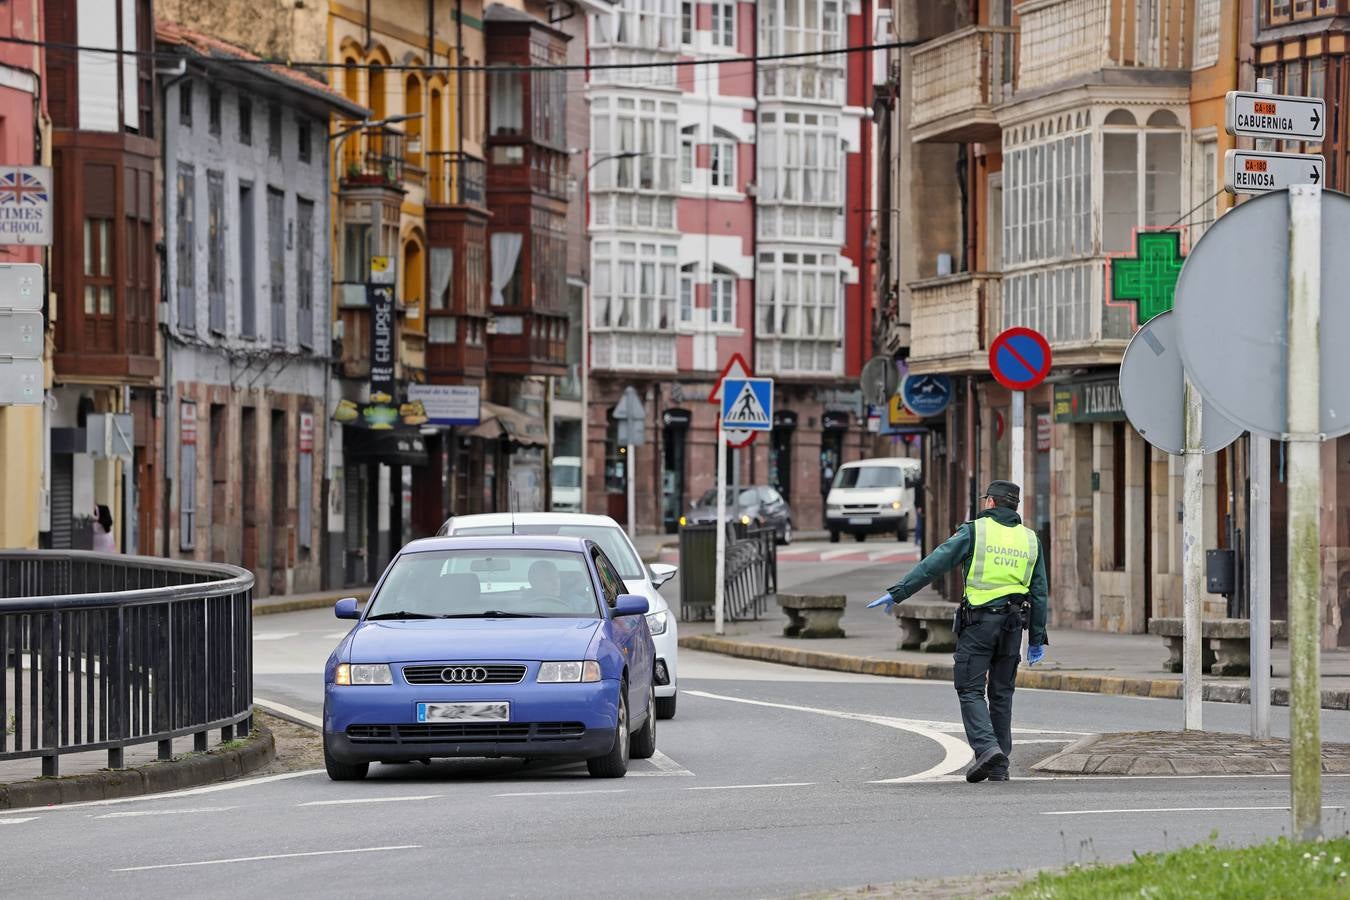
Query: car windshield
[487,584]
[609,537]
[566,476]
[748,497]
[869,477]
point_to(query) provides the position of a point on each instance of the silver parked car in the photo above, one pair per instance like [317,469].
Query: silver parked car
[753,506]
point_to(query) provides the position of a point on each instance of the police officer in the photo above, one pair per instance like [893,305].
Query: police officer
[1005,592]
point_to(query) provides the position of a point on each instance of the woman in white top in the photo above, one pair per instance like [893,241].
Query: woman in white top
[104,542]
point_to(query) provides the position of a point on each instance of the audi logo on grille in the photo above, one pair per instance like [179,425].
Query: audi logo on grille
[464,674]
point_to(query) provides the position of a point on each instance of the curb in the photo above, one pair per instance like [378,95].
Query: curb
[108,784]
[1156,688]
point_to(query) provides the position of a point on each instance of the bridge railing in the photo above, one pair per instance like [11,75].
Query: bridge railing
[102,652]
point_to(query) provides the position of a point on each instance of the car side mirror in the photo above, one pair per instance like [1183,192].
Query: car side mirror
[631,605]
[662,573]
[346,608]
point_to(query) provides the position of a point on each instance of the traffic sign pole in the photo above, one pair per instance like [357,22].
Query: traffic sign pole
[720,567]
[1019,400]
[1258,504]
[1305,486]
[1192,560]
[631,465]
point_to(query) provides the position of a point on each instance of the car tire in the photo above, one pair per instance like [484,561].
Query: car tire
[614,764]
[860,536]
[642,745]
[665,706]
[902,533]
[786,537]
[834,535]
[341,771]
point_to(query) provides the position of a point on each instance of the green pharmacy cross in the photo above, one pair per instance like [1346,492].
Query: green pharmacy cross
[1149,279]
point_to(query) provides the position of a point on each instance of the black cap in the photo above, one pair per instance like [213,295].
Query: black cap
[1004,490]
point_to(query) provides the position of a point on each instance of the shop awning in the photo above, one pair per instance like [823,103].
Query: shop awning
[503,421]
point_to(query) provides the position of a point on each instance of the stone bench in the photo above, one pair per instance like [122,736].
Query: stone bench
[1227,643]
[812,616]
[926,626]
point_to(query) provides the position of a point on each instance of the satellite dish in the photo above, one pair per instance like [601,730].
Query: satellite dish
[880,380]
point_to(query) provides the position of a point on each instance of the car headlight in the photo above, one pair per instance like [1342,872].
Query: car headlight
[745,520]
[363,673]
[656,622]
[683,521]
[564,672]
[895,504]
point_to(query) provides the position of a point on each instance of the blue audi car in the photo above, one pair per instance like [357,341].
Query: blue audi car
[504,646]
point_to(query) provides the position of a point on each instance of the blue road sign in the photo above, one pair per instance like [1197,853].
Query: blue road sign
[1019,359]
[926,395]
[747,404]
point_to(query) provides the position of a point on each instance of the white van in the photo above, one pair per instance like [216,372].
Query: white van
[872,496]
[566,486]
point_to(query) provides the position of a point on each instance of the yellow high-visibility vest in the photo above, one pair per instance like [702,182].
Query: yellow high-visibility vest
[1004,558]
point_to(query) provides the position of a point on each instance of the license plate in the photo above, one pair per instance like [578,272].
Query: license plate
[494,711]
[862,520]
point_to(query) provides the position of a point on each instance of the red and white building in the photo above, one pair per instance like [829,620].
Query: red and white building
[729,212]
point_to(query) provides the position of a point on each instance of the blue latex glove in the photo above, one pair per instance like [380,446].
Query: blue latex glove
[1035,652]
[886,601]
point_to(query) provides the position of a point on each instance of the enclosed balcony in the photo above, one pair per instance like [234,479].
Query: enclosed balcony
[373,158]
[627,351]
[957,81]
[528,343]
[952,321]
[1067,41]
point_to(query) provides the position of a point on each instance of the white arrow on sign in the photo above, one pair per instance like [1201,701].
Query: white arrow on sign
[1275,116]
[1257,172]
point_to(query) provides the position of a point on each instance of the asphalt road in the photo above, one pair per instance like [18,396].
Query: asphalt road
[771,781]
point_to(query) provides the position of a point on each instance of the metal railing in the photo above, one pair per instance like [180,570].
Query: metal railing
[375,157]
[456,179]
[101,652]
[751,576]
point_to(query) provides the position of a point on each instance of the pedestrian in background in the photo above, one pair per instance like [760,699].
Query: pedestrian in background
[1005,592]
[104,542]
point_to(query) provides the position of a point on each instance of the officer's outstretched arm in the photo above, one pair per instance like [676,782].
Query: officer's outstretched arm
[947,556]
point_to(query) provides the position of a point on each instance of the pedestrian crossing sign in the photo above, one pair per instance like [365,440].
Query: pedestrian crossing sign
[747,403]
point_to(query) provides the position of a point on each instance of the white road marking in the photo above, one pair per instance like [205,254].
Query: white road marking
[274,635]
[1173,809]
[17,821]
[1135,778]
[560,793]
[291,711]
[664,766]
[165,812]
[191,792]
[827,555]
[750,787]
[337,635]
[239,859]
[370,800]
[957,755]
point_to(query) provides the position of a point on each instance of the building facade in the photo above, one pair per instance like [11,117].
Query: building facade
[1035,141]
[247,335]
[730,213]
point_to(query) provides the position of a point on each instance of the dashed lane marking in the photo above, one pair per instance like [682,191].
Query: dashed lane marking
[241,859]
[17,821]
[751,787]
[370,800]
[560,793]
[1171,809]
[164,812]
[274,635]
[664,766]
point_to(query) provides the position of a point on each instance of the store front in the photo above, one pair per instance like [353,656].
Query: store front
[675,424]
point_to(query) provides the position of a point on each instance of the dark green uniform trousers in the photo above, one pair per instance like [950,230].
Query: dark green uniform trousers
[987,654]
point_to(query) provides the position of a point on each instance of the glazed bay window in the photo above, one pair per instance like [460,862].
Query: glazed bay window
[506,103]
[798,305]
[1141,176]
[637,192]
[1047,200]
[800,176]
[633,286]
[639,31]
[801,26]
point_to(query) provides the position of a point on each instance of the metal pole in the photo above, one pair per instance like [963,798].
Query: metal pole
[1305,484]
[720,566]
[1192,561]
[1018,468]
[630,469]
[1258,503]
[1259,565]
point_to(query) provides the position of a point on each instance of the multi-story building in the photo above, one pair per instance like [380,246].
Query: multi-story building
[25,141]
[103,274]
[1034,141]
[246,190]
[729,214]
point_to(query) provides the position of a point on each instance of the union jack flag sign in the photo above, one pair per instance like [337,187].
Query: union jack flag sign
[25,205]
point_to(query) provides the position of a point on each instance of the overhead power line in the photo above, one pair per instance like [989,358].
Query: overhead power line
[300,65]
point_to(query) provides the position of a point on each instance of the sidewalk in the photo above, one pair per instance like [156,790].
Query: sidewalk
[1087,661]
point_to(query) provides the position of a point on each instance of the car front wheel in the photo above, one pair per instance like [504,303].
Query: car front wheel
[643,744]
[786,538]
[614,764]
[341,771]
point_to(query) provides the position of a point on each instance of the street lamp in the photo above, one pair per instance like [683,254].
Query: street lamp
[573,185]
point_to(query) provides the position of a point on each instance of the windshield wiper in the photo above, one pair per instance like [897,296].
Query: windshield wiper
[403,614]
[494,614]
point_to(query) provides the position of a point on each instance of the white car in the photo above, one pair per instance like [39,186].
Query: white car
[639,579]
[871,496]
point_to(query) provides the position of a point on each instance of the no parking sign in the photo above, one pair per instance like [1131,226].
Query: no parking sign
[1019,359]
